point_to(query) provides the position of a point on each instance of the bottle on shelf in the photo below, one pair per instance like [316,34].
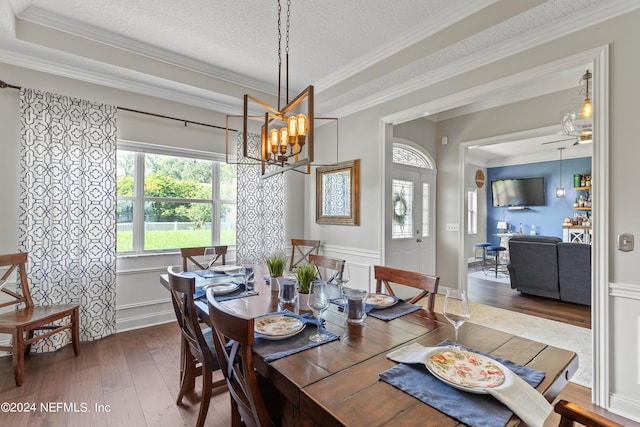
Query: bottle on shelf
[520,229]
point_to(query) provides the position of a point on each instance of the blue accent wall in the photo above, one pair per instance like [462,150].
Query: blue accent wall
[547,219]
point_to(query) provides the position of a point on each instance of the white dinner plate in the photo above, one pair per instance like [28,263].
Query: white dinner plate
[221,288]
[466,370]
[381,300]
[229,269]
[278,327]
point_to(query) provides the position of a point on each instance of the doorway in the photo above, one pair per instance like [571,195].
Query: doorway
[412,240]
[452,265]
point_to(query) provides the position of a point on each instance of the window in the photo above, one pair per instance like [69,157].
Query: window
[472,211]
[168,199]
[402,224]
[406,155]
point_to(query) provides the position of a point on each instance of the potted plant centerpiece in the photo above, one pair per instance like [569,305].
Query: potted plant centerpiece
[305,274]
[275,264]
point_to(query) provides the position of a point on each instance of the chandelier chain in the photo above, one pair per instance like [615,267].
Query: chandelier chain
[288,20]
[279,35]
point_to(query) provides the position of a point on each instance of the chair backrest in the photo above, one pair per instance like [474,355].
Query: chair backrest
[194,255]
[182,290]
[233,338]
[300,250]
[328,268]
[13,261]
[426,283]
[570,413]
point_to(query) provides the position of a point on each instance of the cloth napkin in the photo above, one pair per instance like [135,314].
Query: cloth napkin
[517,393]
[275,349]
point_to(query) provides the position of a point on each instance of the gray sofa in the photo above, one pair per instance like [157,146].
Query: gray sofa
[547,267]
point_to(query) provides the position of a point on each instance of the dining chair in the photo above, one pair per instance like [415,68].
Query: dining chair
[328,268]
[25,320]
[254,401]
[197,353]
[427,284]
[571,413]
[300,251]
[192,257]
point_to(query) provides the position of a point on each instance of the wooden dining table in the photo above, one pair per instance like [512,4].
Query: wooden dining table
[337,383]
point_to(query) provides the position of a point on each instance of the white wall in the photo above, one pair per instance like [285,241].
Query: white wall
[362,132]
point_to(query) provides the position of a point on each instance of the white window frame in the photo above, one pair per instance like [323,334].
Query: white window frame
[140,149]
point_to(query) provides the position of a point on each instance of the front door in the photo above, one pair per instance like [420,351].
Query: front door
[412,219]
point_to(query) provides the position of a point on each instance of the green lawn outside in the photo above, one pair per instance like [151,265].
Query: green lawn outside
[171,239]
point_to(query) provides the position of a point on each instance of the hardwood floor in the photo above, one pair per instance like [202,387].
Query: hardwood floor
[498,294]
[131,380]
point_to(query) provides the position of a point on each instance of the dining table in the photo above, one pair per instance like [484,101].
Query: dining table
[338,383]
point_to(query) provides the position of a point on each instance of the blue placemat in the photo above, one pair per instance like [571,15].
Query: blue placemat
[475,410]
[397,310]
[275,349]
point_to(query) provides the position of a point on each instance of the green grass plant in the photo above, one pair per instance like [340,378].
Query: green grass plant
[276,264]
[305,274]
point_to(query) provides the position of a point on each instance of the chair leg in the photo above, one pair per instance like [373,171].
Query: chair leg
[18,356]
[206,397]
[236,419]
[188,377]
[75,330]
[27,348]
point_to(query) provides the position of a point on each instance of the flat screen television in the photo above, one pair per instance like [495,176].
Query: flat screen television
[518,192]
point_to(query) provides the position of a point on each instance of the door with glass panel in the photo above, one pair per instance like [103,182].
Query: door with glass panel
[412,222]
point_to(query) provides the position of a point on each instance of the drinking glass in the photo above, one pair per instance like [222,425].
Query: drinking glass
[209,256]
[456,310]
[341,280]
[318,302]
[247,273]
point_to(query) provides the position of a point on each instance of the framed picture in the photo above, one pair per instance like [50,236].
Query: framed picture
[338,194]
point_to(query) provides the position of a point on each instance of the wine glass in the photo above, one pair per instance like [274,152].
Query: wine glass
[456,310]
[209,256]
[341,280]
[318,302]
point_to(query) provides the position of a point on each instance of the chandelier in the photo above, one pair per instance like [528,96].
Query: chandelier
[287,134]
[577,121]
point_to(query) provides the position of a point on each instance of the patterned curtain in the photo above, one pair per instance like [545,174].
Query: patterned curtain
[260,226]
[68,206]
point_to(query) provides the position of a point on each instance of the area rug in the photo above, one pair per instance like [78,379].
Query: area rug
[502,278]
[557,334]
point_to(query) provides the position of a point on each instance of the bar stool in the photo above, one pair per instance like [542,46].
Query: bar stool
[495,251]
[482,256]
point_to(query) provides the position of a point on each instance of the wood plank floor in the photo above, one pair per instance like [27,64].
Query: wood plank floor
[498,294]
[131,379]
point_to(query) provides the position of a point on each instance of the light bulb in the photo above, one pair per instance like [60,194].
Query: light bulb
[587,109]
[302,124]
[274,135]
[293,126]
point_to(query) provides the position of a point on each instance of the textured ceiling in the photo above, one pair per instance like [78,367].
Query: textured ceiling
[357,53]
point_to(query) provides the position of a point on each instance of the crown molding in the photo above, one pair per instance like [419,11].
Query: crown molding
[153,86]
[125,80]
[599,13]
[61,23]
[429,28]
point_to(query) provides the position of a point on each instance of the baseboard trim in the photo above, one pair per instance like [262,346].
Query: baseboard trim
[625,407]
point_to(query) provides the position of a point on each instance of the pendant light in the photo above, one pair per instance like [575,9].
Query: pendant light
[560,191]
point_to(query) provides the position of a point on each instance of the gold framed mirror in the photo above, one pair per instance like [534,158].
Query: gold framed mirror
[338,194]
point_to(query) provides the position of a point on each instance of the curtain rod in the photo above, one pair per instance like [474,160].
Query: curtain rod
[4,85]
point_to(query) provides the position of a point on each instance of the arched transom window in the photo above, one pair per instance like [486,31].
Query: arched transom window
[406,155]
